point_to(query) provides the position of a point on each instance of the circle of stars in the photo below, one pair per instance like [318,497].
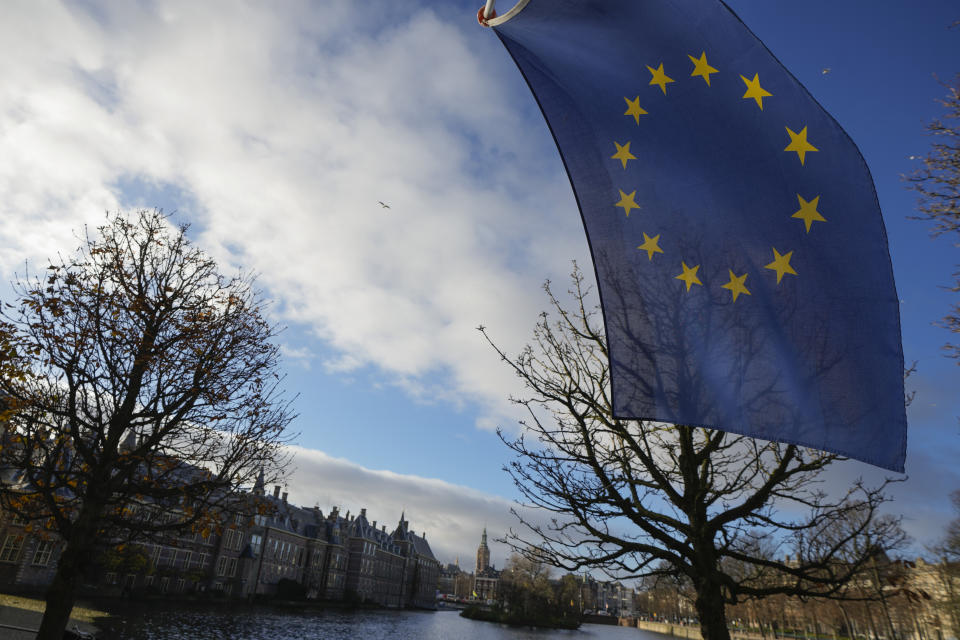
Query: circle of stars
[808,212]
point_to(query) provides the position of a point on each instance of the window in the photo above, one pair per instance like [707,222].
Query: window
[232,567]
[256,541]
[228,536]
[187,559]
[148,581]
[202,560]
[41,556]
[111,578]
[180,584]
[222,566]
[10,551]
[164,584]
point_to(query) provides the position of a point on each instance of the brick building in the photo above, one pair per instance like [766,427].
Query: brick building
[330,557]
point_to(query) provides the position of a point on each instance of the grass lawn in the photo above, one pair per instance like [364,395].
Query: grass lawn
[81,614]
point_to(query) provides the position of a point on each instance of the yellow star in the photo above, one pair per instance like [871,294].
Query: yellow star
[798,143]
[701,68]
[634,109]
[736,285]
[808,211]
[689,275]
[659,77]
[627,202]
[623,154]
[781,264]
[754,90]
[650,245]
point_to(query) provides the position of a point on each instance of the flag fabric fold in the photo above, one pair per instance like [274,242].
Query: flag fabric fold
[738,243]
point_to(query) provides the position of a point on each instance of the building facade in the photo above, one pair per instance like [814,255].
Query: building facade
[278,550]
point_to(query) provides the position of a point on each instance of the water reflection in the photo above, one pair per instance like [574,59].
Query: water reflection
[182,623]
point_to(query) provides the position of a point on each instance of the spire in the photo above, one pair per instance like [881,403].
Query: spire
[258,485]
[129,443]
[483,554]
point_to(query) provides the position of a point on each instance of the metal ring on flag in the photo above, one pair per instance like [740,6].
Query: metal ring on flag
[486,13]
[487,17]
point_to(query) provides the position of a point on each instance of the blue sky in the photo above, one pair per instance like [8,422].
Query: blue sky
[276,130]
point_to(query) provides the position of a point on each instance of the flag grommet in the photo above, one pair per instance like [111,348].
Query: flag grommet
[483,20]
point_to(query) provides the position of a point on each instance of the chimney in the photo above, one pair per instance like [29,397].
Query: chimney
[363,513]
[276,491]
[384,528]
[284,497]
[374,524]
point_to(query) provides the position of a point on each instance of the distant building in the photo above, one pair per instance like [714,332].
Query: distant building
[447,583]
[483,554]
[251,554]
[486,578]
[614,598]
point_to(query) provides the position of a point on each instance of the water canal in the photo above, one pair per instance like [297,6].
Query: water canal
[163,623]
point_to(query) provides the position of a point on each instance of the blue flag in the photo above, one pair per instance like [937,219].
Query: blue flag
[740,252]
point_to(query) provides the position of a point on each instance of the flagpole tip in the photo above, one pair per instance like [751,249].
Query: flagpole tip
[482,18]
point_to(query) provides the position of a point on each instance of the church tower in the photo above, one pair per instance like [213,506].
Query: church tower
[483,554]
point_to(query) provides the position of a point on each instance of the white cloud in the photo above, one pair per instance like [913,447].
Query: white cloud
[282,129]
[453,517]
[301,355]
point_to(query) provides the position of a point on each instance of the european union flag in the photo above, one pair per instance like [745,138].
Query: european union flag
[739,248]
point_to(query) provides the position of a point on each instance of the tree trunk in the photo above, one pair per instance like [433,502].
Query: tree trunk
[883,601]
[756,616]
[61,594]
[851,632]
[73,561]
[873,626]
[712,611]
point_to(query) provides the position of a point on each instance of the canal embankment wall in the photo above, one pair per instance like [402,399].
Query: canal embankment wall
[690,632]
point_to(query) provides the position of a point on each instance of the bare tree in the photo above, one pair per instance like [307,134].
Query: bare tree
[149,393]
[733,515]
[948,569]
[938,183]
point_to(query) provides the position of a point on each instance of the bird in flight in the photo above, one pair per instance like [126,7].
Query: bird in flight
[385,206]
[825,70]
